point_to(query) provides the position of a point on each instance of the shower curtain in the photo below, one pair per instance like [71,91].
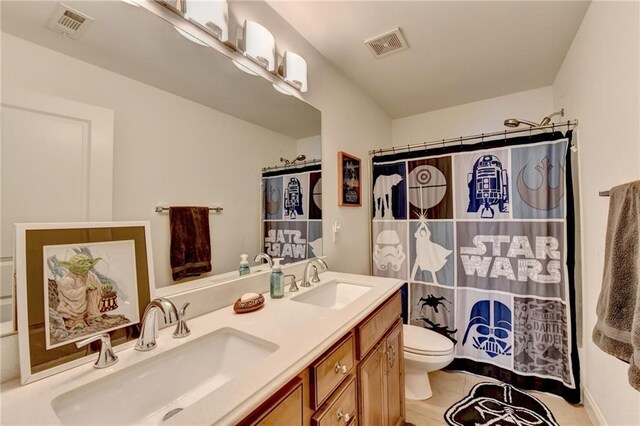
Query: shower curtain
[484,236]
[292,213]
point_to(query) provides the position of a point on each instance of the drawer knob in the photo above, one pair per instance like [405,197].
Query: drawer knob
[343,416]
[341,368]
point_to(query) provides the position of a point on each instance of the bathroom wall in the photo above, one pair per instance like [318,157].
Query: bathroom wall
[351,122]
[473,118]
[158,135]
[311,147]
[599,84]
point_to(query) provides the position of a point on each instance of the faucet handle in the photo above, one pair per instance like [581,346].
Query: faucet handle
[293,288]
[106,357]
[314,278]
[182,330]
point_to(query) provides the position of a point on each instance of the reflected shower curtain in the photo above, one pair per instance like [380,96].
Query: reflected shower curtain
[292,213]
[484,236]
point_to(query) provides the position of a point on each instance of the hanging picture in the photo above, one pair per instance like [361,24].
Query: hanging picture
[75,281]
[349,180]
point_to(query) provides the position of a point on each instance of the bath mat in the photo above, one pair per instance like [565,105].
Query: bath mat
[499,404]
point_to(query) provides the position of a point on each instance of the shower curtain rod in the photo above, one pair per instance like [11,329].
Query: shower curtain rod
[461,139]
[286,166]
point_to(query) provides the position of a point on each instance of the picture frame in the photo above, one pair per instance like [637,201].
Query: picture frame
[349,180]
[76,280]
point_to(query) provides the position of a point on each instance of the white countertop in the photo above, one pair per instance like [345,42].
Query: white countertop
[302,331]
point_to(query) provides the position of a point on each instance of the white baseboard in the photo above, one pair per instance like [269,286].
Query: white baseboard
[593,411]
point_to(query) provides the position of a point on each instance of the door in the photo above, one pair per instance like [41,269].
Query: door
[371,382]
[395,376]
[52,149]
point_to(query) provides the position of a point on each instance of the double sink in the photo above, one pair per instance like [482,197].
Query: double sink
[152,391]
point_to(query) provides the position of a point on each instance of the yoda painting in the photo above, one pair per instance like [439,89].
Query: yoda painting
[92,289]
[79,291]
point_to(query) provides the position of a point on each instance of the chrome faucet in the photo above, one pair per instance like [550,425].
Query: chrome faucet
[106,357]
[264,256]
[147,339]
[293,288]
[313,265]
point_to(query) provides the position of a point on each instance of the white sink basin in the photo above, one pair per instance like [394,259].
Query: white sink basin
[333,295]
[151,390]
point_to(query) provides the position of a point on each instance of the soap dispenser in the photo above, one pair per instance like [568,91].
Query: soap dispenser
[276,280]
[244,265]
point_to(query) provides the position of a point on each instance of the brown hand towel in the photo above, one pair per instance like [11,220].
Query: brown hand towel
[190,241]
[617,331]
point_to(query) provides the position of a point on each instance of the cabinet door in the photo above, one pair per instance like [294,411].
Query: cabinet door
[371,383]
[395,376]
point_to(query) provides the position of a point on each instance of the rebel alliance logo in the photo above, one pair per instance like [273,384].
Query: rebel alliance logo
[490,328]
[519,253]
[544,197]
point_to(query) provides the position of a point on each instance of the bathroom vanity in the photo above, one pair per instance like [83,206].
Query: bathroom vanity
[328,354]
[359,380]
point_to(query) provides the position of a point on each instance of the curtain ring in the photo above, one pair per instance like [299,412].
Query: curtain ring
[442,143]
[505,136]
[393,148]
[408,147]
[553,127]
[460,140]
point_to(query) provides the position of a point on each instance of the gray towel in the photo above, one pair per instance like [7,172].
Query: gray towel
[617,331]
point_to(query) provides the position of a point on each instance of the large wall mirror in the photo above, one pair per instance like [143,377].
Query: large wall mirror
[132,115]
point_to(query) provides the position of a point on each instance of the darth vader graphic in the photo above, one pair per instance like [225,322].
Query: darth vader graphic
[499,404]
[489,328]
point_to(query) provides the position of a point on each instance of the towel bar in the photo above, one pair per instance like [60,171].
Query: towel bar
[604,193]
[160,209]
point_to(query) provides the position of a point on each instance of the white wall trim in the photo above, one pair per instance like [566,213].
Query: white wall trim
[593,411]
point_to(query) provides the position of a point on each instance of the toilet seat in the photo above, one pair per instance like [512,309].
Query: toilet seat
[420,341]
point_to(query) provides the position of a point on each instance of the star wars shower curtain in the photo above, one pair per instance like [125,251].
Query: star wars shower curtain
[292,213]
[484,236]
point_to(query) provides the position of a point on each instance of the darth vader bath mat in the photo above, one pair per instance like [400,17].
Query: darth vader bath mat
[499,404]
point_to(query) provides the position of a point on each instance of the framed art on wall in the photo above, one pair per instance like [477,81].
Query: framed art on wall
[349,180]
[76,280]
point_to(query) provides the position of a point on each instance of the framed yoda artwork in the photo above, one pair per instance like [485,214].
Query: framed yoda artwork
[75,281]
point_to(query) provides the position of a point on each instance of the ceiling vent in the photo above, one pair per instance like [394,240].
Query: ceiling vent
[69,21]
[387,43]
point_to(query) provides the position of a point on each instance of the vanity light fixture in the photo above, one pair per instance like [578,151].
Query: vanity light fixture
[294,70]
[211,16]
[131,2]
[259,45]
[282,90]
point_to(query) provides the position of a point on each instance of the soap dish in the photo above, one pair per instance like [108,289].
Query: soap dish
[248,305]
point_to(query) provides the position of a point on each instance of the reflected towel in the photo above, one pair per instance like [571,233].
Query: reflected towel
[190,253]
[617,331]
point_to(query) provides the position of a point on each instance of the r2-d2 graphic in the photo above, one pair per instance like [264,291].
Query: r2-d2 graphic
[490,328]
[488,186]
[293,199]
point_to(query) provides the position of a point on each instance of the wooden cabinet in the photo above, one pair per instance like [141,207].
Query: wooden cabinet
[359,380]
[381,382]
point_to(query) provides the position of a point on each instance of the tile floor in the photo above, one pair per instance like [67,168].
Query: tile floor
[450,387]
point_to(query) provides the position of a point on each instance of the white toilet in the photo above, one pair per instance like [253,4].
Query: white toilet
[424,351]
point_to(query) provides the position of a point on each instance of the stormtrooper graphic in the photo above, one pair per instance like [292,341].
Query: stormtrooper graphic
[490,328]
[388,251]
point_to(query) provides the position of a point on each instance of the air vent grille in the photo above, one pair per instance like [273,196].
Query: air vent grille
[69,21]
[389,42]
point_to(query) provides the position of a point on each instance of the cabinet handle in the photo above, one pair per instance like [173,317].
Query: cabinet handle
[344,416]
[340,368]
[391,358]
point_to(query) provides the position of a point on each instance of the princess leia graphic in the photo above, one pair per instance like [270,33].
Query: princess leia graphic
[430,256]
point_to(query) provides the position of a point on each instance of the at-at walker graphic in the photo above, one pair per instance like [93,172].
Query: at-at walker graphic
[488,186]
[293,198]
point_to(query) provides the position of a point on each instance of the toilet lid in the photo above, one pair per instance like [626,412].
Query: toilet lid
[422,341]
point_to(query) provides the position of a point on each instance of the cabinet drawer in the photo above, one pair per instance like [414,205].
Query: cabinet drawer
[373,328]
[341,409]
[285,407]
[331,369]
